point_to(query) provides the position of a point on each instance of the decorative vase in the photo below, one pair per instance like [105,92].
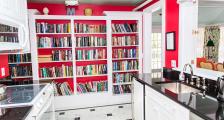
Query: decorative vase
[45,11]
[88,11]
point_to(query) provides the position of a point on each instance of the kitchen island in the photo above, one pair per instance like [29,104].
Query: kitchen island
[151,101]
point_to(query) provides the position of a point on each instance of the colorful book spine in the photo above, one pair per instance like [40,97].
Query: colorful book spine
[94,86]
[121,89]
[125,65]
[122,78]
[52,72]
[53,42]
[19,71]
[6,38]
[87,28]
[125,53]
[19,58]
[61,89]
[44,27]
[124,40]
[6,28]
[61,55]
[91,70]
[124,28]
[90,54]
[90,41]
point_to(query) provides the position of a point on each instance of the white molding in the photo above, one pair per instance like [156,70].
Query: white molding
[142,5]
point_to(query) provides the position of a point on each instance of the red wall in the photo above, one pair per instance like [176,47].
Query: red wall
[172,24]
[4,64]
[60,9]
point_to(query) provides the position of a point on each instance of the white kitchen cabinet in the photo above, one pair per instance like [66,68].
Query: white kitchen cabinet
[159,107]
[14,13]
[138,100]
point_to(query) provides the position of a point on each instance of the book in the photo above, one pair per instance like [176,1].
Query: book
[91,70]
[91,54]
[89,28]
[61,89]
[7,28]
[93,86]
[90,41]
[53,72]
[124,28]
[54,42]
[19,71]
[125,65]
[9,38]
[44,27]
[61,55]
[19,58]
[122,78]
[121,89]
[125,53]
[124,40]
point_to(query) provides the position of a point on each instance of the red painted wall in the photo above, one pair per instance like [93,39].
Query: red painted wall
[4,64]
[172,24]
[60,9]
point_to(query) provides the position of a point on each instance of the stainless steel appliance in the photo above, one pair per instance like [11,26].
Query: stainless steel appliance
[220,89]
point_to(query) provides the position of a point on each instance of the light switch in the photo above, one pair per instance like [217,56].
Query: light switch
[3,71]
[173,63]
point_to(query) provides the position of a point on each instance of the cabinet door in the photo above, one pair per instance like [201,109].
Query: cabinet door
[10,8]
[138,100]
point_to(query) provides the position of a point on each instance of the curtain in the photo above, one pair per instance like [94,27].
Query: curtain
[212,32]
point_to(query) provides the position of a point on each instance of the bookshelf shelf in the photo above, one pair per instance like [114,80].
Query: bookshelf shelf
[91,60]
[123,83]
[20,77]
[52,78]
[21,63]
[55,61]
[79,76]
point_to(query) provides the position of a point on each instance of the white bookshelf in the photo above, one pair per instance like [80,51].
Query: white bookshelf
[77,99]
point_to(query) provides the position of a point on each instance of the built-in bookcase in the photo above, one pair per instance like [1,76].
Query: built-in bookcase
[96,54]
[20,68]
[125,54]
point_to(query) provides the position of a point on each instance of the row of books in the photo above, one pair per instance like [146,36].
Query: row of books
[87,28]
[94,86]
[123,28]
[125,65]
[121,89]
[124,40]
[90,41]
[6,28]
[125,53]
[19,58]
[91,70]
[44,27]
[61,55]
[61,89]
[46,42]
[91,54]
[12,39]
[18,71]
[122,78]
[63,71]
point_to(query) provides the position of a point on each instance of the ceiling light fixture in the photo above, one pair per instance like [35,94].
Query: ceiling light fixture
[71,2]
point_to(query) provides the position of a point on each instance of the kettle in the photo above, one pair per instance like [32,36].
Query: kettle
[220,89]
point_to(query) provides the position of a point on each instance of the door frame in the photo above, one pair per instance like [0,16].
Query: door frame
[147,33]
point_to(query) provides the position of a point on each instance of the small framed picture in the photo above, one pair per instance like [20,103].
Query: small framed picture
[170,41]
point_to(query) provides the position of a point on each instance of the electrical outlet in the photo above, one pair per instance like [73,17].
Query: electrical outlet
[3,71]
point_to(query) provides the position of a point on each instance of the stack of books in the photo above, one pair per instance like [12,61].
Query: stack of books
[90,41]
[125,53]
[52,42]
[94,86]
[91,70]
[19,58]
[122,78]
[124,28]
[124,40]
[61,55]
[61,89]
[121,89]
[90,54]
[52,72]
[53,28]
[86,28]
[125,65]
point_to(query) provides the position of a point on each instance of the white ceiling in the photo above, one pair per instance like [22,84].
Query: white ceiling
[112,2]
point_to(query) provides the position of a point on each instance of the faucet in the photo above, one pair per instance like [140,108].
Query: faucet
[191,70]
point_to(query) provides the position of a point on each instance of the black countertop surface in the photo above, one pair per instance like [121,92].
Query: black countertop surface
[206,107]
[18,113]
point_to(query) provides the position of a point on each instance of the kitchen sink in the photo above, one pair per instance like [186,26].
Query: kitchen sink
[177,87]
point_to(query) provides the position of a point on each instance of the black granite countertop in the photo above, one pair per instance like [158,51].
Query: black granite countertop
[17,113]
[206,107]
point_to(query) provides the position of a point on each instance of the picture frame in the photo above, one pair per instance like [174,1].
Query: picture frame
[170,41]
